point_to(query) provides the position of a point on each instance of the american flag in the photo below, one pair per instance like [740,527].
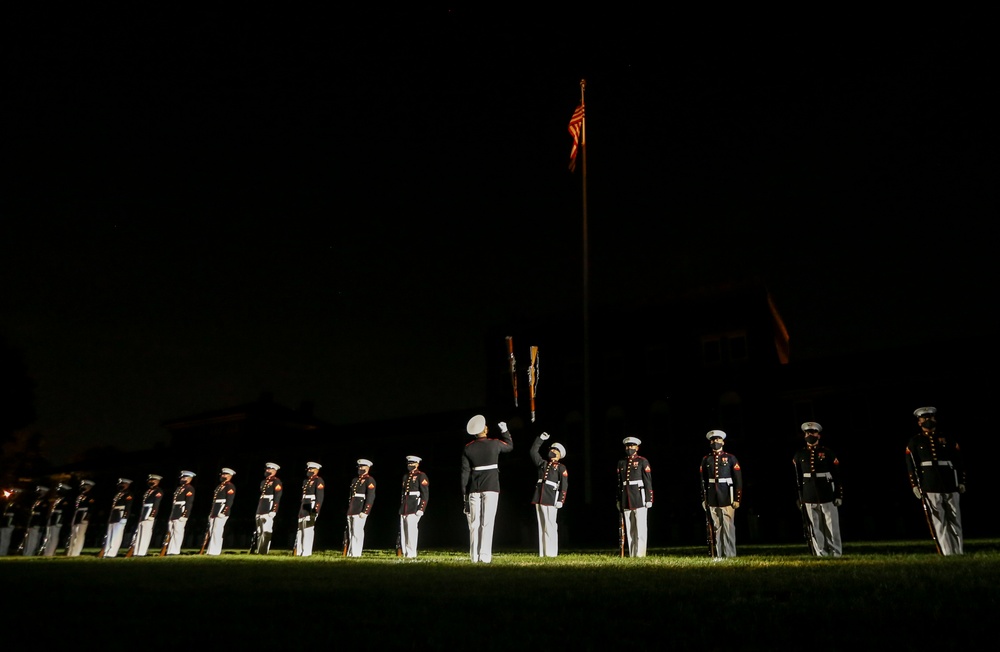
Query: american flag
[575,127]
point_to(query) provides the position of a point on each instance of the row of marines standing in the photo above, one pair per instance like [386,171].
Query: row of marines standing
[934,466]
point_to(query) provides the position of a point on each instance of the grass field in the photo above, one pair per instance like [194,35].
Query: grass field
[898,594]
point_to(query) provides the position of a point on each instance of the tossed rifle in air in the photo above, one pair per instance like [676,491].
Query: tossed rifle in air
[533,379]
[513,366]
[923,502]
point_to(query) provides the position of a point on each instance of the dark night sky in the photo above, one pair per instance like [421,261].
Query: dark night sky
[340,207]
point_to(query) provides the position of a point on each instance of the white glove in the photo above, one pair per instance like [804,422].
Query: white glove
[837,502]
[362,516]
[544,436]
[649,504]
[558,504]
[704,506]
[420,513]
[916,492]
[736,504]
[503,426]
[961,488]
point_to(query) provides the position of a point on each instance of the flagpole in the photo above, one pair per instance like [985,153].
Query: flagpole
[587,494]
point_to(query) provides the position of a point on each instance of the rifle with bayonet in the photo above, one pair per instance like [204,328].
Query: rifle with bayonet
[513,366]
[347,536]
[533,379]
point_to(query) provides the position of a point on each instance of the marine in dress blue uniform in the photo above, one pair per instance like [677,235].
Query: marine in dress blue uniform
[313,490]
[412,504]
[35,523]
[55,520]
[267,507]
[635,495]
[481,484]
[820,491]
[10,497]
[721,493]
[937,474]
[222,507]
[550,493]
[121,507]
[151,500]
[180,511]
[360,501]
[82,504]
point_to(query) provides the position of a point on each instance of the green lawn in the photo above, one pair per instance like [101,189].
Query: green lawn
[771,597]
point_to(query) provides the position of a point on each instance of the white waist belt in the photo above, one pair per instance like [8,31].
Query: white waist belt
[122,507]
[484,468]
[826,475]
[220,500]
[632,482]
[413,493]
[938,462]
[180,502]
[359,495]
[721,480]
[552,484]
